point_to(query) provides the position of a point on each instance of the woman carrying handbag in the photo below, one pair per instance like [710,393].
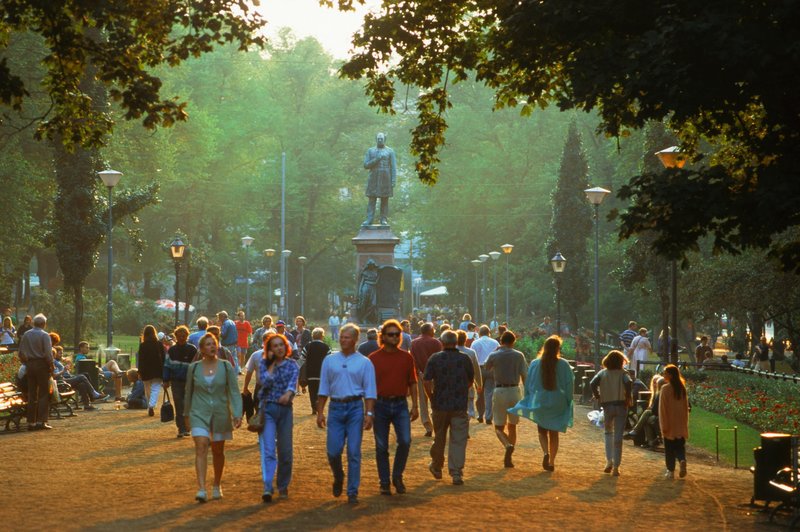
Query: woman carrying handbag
[213,408]
[278,377]
[612,387]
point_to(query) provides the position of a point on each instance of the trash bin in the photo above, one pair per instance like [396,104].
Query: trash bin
[89,368]
[773,455]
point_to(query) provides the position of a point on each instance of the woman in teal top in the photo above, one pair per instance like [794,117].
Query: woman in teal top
[548,398]
[212,399]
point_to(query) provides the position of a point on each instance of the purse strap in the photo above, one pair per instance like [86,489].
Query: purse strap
[166,395]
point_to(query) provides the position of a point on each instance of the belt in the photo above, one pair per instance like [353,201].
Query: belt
[391,398]
[506,385]
[348,399]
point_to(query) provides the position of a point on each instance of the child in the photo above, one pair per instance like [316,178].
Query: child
[135,399]
[673,417]
[612,387]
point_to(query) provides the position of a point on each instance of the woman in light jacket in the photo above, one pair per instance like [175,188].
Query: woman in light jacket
[673,417]
[612,387]
[212,399]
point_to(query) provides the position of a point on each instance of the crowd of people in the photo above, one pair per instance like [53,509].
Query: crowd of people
[394,377]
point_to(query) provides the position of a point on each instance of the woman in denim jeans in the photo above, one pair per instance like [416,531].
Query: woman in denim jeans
[278,377]
[612,387]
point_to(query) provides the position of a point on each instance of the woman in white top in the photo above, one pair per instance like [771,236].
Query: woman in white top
[640,349]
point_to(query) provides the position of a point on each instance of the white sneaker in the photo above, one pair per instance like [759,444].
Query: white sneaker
[669,475]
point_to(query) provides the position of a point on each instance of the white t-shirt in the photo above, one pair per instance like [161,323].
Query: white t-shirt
[253,362]
[483,347]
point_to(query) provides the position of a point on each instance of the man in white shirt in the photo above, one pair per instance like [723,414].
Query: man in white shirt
[483,347]
[333,326]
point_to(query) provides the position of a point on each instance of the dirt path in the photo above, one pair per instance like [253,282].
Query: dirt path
[120,470]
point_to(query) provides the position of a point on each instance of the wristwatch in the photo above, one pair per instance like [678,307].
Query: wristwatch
[370,414]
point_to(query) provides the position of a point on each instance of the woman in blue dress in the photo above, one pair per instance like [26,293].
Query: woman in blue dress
[548,398]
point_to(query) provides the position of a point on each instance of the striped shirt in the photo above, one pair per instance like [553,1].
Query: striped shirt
[627,336]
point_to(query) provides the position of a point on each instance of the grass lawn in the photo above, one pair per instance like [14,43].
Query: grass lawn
[703,434]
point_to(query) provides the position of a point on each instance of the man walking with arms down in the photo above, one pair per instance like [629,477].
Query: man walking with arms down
[448,377]
[422,347]
[36,352]
[395,378]
[348,378]
[507,366]
[483,347]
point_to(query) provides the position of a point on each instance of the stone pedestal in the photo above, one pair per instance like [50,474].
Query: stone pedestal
[376,242]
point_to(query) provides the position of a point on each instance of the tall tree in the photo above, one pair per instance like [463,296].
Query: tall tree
[571,226]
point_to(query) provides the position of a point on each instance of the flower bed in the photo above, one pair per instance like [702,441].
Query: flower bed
[9,366]
[768,405]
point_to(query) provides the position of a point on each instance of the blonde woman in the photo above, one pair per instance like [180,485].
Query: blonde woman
[212,409]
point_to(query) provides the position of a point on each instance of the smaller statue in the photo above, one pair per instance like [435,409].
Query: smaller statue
[367,302]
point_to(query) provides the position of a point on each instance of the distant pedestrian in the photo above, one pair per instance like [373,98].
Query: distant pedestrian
[278,378]
[447,379]
[673,418]
[212,399]
[348,379]
[507,366]
[176,366]
[313,354]
[761,356]
[703,351]
[202,324]
[150,358]
[229,337]
[548,398]
[8,334]
[395,379]
[27,325]
[261,332]
[477,381]
[333,325]
[465,319]
[302,336]
[371,344]
[405,344]
[243,332]
[422,348]
[612,387]
[36,353]
[626,338]
[640,350]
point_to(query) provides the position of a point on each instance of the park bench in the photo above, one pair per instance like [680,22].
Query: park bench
[68,401]
[786,482]
[12,405]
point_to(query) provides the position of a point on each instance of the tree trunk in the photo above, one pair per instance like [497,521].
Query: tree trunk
[77,293]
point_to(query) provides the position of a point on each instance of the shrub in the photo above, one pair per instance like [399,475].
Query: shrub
[9,366]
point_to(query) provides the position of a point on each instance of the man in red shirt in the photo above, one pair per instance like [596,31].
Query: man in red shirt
[395,379]
[422,347]
[243,330]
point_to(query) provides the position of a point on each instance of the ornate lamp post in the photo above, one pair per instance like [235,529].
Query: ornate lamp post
[176,249]
[269,253]
[507,248]
[596,196]
[285,287]
[672,157]
[110,179]
[477,263]
[495,255]
[302,284]
[558,262]
[483,258]
[247,241]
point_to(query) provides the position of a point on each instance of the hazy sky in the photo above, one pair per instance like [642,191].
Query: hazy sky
[331,27]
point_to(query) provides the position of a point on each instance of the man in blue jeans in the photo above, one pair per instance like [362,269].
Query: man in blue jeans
[348,378]
[229,336]
[395,378]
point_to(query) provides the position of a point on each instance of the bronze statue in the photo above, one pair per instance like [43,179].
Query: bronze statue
[382,166]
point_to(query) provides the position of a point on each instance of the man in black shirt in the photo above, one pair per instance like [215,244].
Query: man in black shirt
[312,356]
[176,365]
[447,379]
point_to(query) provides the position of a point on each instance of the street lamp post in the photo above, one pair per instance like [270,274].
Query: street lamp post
[507,248]
[110,179]
[495,255]
[477,265]
[596,195]
[176,249]
[483,258]
[269,253]
[302,284]
[285,284]
[672,157]
[247,241]
[558,262]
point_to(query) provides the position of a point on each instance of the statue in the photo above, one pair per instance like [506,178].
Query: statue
[382,166]
[367,302]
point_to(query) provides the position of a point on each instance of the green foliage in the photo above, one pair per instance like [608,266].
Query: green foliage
[123,42]
[59,307]
[530,347]
[640,65]
[571,226]
[9,366]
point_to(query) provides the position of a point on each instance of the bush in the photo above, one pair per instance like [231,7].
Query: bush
[9,366]
[530,347]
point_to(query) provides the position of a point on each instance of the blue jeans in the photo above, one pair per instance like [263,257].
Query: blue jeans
[674,450]
[391,413]
[488,392]
[278,425]
[345,421]
[614,418]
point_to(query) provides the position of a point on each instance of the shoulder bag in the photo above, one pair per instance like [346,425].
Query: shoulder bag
[167,411]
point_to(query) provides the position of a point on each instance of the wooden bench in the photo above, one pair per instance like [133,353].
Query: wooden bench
[12,405]
[68,401]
